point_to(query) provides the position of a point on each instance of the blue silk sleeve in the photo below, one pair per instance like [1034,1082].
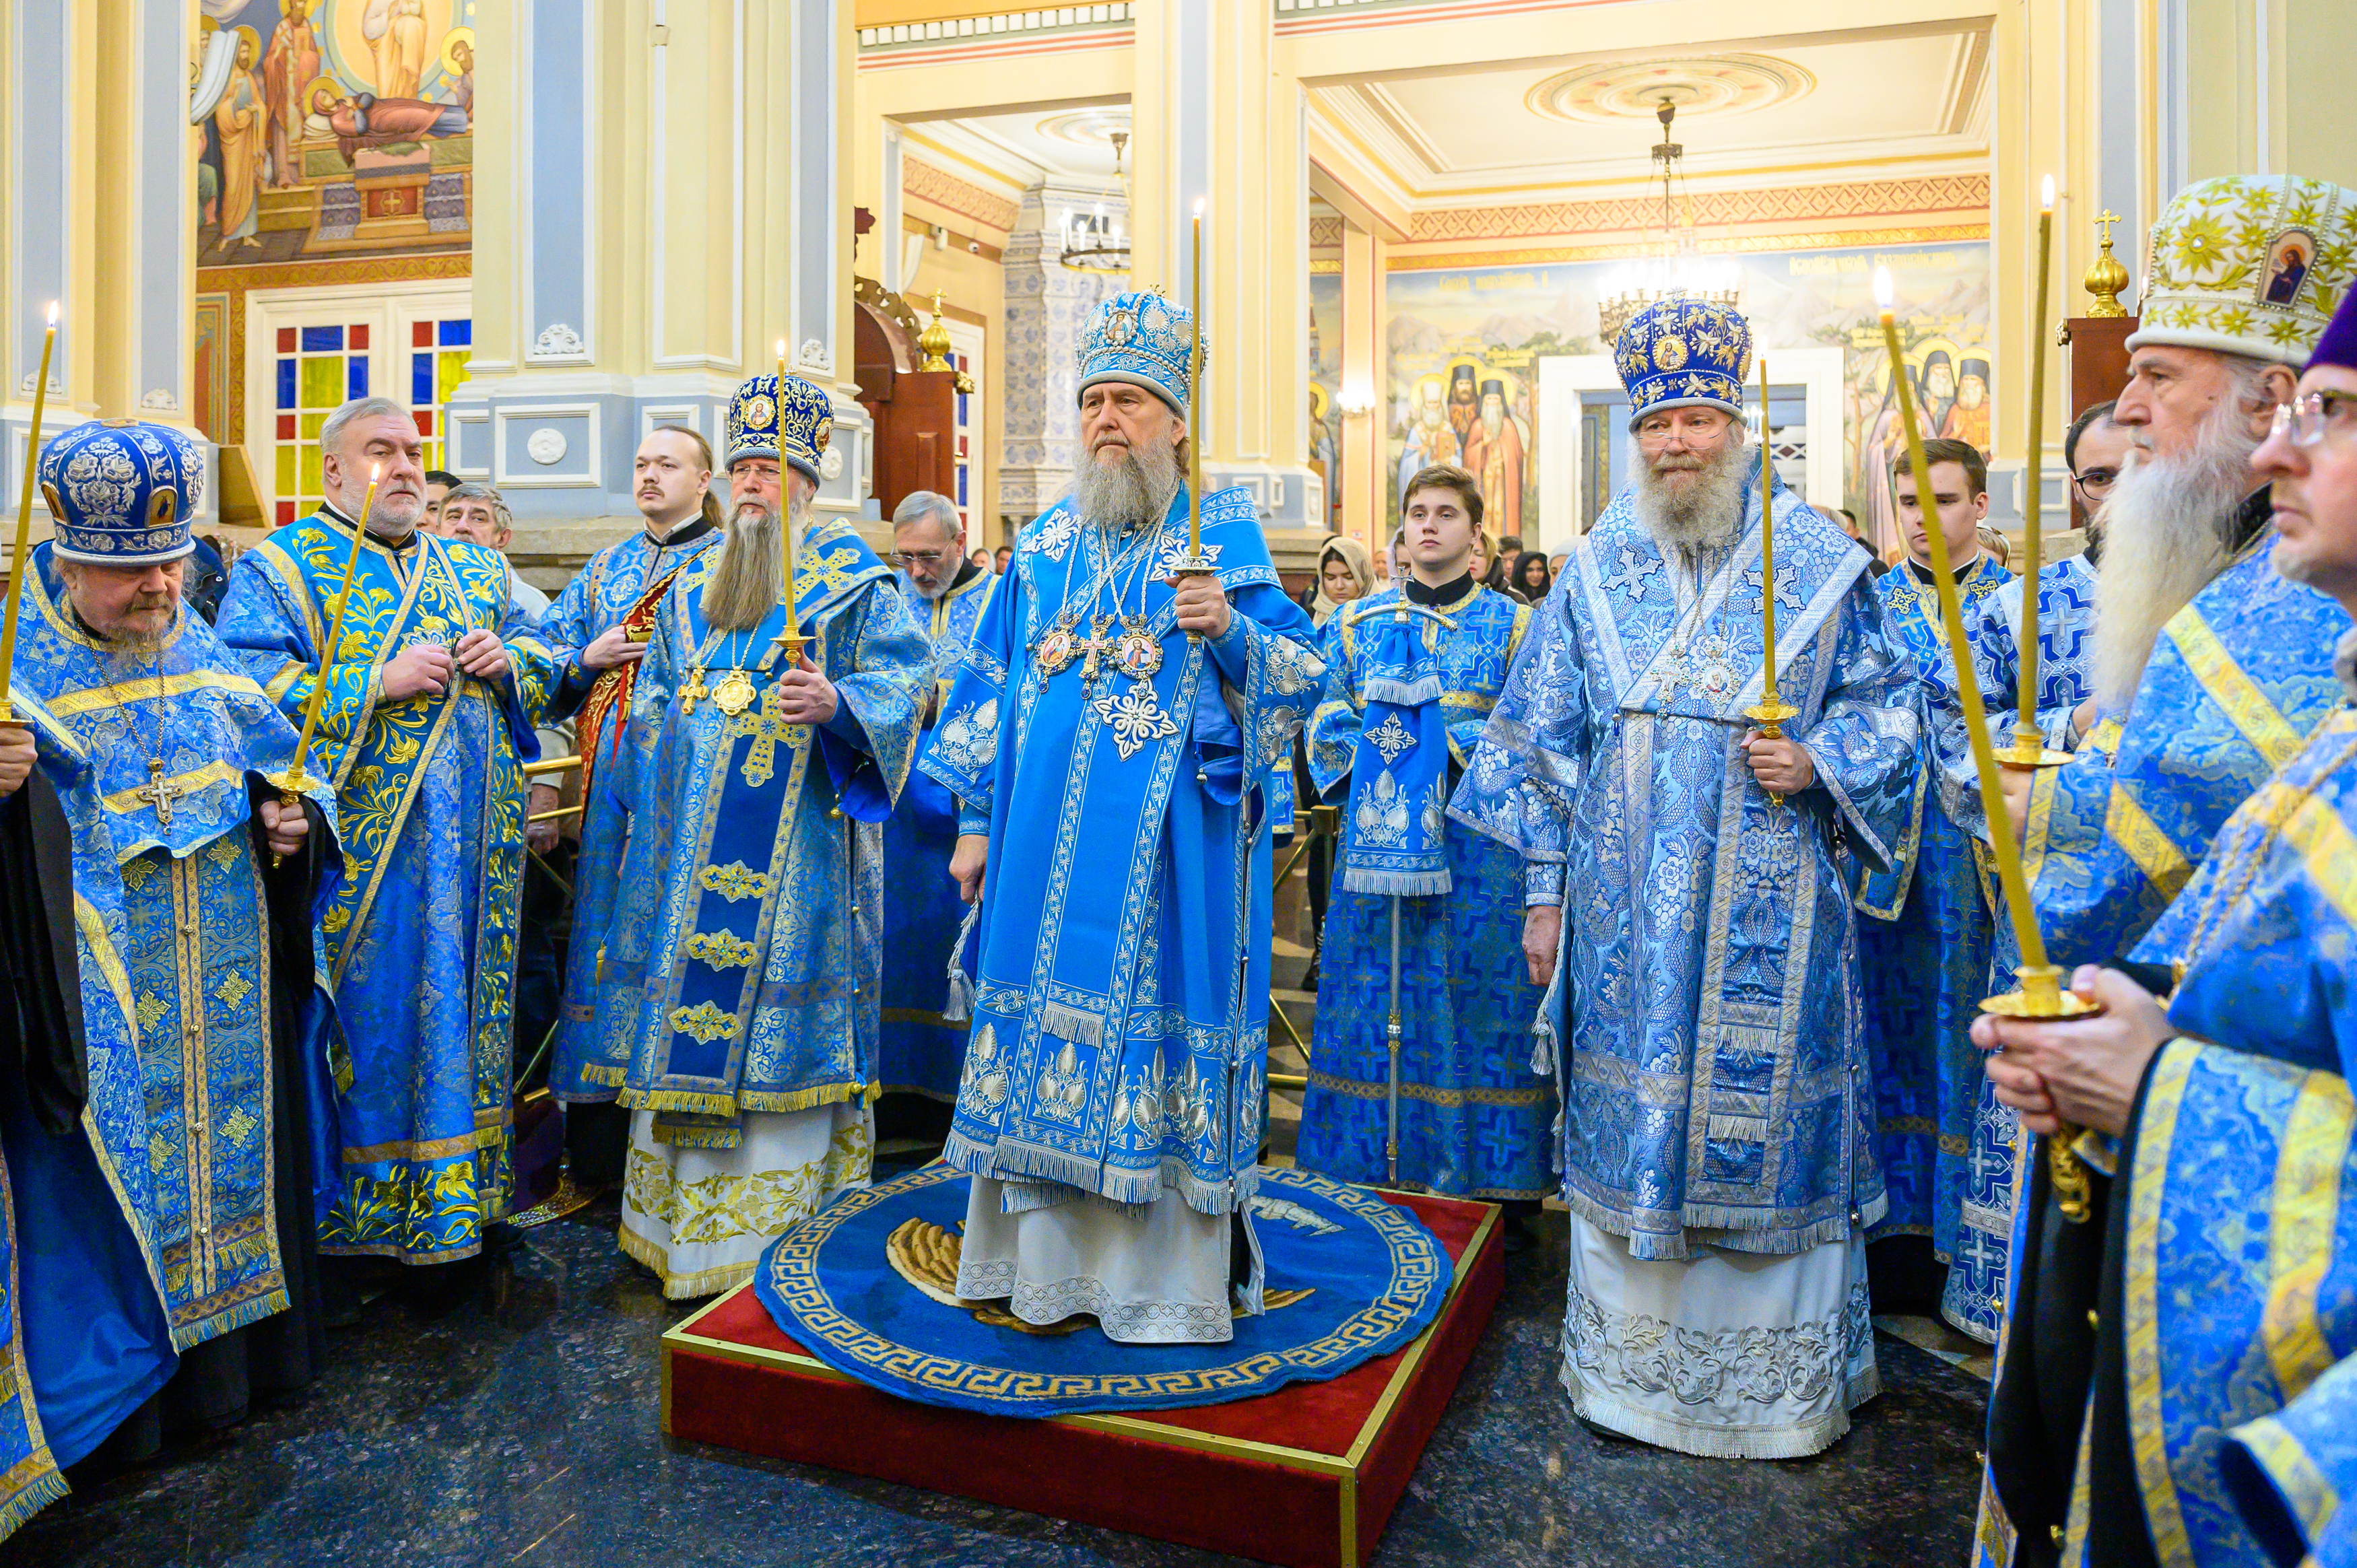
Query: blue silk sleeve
[1526,768]
[2289,1473]
[1865,740]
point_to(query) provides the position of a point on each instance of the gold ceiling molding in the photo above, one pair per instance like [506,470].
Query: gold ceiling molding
[1808,240]
[1789,204]
[928,183]
[1699,86]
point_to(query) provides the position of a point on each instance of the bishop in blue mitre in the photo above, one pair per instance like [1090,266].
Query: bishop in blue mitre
[923,1044]
[605,616]
[1412,672]
[1925,945]
[771,726]
[1110,737]
[1686,906]
[432,695]
[169,1075]
[2209,668]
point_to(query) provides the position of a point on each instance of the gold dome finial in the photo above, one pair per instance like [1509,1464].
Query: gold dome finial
[2106,277]
[935,340]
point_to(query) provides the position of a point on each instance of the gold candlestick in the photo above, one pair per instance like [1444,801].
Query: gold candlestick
[290,795]
[2029,749]
[1771,712]
[794,639]
[19,561]
[2041,994]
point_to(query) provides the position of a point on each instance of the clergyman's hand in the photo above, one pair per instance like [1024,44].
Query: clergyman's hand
[482,655]
[1542,939]
[1202,605]
[2080,1069]
[805,696]
[1782,767]
[15,757]
[421,670]
[542,836]
[966,862]
[2083,718]
[612,646]
[284,828]
[2016,782]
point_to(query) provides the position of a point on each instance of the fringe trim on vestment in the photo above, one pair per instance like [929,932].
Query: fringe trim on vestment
[605,1075]
[1024,1168]
[1403,694]
[678,1100]
[681,1287]
[1714,1441]
[1069,1023]
[188,1335]
[47,1487]
[1405,884]
[1730,1230]
[731,1105]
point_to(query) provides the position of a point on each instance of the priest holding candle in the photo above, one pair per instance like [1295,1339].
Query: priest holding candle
[426,706]
[1702,1017]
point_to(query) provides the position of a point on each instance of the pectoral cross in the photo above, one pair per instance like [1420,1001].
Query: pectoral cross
[1095,646]
[768,725]
[694,691]
[159,792]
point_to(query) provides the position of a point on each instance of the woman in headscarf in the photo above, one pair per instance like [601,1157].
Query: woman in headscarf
[1345,572]
[1532,579]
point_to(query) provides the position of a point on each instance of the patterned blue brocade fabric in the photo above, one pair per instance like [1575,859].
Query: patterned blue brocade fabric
[596,601]
[744,940]
[1708,1047]
[1118,1047]
[2237,680]
[1473,1118]
[1946,1158]
[421,936]
[921,1049]
[2066,644]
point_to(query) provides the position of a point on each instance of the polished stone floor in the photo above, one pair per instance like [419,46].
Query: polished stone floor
[524,1430]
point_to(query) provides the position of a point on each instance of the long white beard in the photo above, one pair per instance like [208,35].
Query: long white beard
[1703,512]
[2169,531]
[1124,495]
[749,576]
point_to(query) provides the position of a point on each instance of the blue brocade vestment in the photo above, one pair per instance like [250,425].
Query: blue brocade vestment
[1120,1041]
[922,1050]
[421,937]
[744,936]
[623,582]
[1474,1118]
[1705,1009]
[1925,953]
[2237,680]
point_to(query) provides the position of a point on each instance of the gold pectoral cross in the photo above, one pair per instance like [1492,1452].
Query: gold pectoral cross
[769,728]
[159,792]
[1096,645]
[694,691]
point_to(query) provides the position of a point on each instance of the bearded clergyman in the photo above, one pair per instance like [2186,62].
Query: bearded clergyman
[1684,908]
[771,728]
[1109,739]
[2208,668]
[160,1174]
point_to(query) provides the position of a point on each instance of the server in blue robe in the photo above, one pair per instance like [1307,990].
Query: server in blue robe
[1926,947]
[924,1050]
[163,1179]
[1703,1012]
[2176,1380]
[2209,666]
[745,932]
[606,614]
[433,696]
[1412,672]
[1110,739]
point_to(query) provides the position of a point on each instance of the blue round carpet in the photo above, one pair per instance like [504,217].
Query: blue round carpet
[867,1285]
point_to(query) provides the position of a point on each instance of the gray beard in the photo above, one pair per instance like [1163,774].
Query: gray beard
[2168,531]
[1129,494]
[1705,513]
[749,576]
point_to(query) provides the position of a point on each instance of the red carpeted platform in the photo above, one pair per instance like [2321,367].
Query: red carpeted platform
[1306,1476]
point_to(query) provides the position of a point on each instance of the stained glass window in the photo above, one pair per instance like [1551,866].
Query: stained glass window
[438,351]
[319,369]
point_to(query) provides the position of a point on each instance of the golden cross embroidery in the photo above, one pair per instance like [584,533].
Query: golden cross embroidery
[159,792]
[768,725]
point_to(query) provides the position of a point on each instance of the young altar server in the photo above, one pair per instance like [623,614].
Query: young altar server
[1425,927]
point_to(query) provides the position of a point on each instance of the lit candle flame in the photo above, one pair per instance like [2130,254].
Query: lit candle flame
[1199,207]
[1883,293]
[53,313]
[781,350]
[376,472]
[2046,196]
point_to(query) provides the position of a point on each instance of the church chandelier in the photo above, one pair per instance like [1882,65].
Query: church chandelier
[1673,269]
[1093,241]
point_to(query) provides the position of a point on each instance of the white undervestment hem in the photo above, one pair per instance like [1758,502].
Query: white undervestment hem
[1723,1354]
[702,1218]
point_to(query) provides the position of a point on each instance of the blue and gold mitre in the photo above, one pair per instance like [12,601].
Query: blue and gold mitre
[790,426]
[122,492]
[1681,353]
[1141,338]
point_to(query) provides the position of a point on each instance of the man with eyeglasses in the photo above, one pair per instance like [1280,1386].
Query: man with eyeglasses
[2094,449]
[2222,1400]
[920,1049]
[2208,669]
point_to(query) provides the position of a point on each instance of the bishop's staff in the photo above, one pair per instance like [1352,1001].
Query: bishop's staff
[290,798]
[23,555]
[2041,994]
[1771,712]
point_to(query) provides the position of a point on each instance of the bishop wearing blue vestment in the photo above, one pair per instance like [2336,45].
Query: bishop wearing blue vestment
[1684,901]
[432,699]
[772,725]
[163,1179]
[1110,737]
